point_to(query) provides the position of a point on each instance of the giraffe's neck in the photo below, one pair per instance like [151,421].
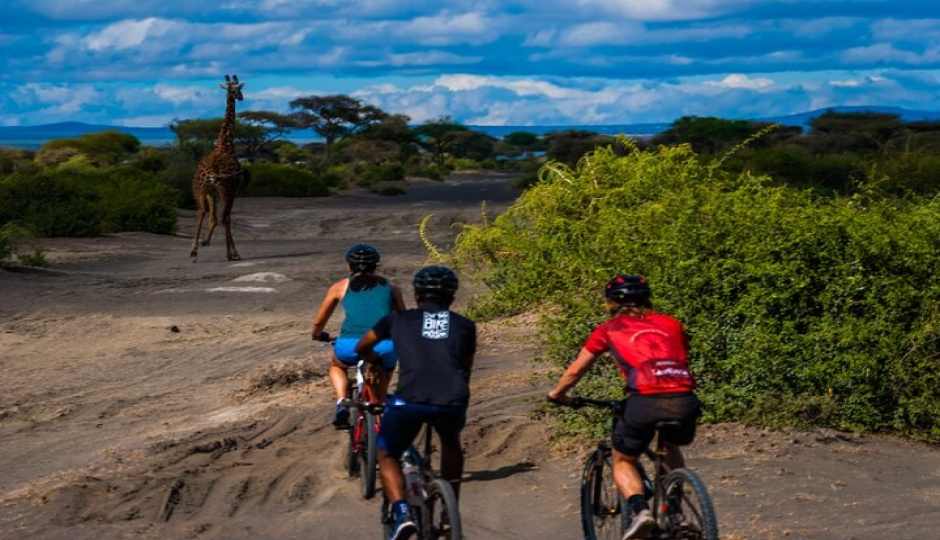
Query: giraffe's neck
[227,131]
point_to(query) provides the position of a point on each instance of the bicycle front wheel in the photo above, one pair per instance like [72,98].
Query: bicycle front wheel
[368,455]
[385,516]
[602,507]
[441,516]
[687,512]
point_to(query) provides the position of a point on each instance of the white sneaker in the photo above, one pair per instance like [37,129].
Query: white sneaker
[641,526]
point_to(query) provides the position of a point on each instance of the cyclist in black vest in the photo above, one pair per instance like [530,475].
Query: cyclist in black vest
[435,349]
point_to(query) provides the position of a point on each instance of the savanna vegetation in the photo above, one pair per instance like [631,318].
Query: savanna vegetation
[809,302]
[108,182]
[801,263]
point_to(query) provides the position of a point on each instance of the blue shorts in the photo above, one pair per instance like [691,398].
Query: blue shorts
[345,351]
[402,421]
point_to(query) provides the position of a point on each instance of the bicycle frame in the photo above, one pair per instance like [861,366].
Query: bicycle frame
[698,523]
[361,457]
[437,514]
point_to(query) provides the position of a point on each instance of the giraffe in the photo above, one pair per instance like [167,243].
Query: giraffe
[218,174]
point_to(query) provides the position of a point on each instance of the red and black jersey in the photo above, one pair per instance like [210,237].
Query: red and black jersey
[650,350]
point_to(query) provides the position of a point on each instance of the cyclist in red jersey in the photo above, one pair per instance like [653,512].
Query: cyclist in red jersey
[651,351]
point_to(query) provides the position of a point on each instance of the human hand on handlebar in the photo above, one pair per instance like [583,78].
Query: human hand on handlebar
[558,399]
[322,336]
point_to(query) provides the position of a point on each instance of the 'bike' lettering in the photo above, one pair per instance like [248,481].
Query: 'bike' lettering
[436,325]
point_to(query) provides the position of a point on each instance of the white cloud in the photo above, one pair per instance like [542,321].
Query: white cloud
[450,29]
[737,80]
[128,34]
[665,10]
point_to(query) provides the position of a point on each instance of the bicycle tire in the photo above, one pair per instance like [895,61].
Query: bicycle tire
[368,455]
[690,516]
[442,522]
[602,515]
[350,459]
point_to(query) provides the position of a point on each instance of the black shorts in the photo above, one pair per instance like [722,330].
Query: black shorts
[636,427]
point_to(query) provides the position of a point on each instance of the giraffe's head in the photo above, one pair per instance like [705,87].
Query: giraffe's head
[232,86]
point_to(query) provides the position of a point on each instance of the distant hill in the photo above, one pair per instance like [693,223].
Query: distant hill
[802,119]
[35,136]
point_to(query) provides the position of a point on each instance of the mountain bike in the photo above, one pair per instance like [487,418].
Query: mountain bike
[361,457]
[678,498]
[431,498]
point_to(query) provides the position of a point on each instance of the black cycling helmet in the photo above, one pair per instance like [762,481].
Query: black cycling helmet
[438,280]
[362,257]
[625,288]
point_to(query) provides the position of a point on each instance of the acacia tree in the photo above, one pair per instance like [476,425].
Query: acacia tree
[269,126]
[196,137]
[390,138]
[438,136]
[334,117]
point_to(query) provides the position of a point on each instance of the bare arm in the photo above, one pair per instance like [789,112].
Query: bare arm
[365,345]
[333,297]
[572,375]
[398,301]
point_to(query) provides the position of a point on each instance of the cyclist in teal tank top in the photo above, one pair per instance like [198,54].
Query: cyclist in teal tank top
[366,297]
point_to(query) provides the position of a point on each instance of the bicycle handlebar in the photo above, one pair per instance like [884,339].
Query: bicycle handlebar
[325,337]
[374,408]
[579,402]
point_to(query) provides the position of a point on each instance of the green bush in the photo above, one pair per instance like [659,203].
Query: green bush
[275,180]
[13,237]
[178,175]
[431,171]
[463,164]
[52,205]
[77,202]
[802,309]
[133,200]
[384,172]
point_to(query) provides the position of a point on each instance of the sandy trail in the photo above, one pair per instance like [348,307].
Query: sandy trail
[145,396]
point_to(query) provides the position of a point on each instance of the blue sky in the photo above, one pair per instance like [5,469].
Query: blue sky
[484,62]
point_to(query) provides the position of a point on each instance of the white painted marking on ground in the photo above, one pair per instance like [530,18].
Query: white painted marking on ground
[244,289]
[264,277]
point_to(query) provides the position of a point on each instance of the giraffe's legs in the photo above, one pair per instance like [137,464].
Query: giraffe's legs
[200,201]
[213,221]
[230,251]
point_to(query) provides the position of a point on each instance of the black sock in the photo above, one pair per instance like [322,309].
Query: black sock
[637,503]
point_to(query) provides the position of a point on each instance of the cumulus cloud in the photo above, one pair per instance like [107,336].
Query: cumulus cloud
[488,61]
[737,80]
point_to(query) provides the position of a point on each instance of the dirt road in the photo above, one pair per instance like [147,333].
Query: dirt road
[145,396]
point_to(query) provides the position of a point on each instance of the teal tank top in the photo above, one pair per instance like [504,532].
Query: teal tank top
[364,309]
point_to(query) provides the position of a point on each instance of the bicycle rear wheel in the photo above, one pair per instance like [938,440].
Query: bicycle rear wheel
[602,515]
[368,455]
[350,457]
[441,516]
[687,512]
